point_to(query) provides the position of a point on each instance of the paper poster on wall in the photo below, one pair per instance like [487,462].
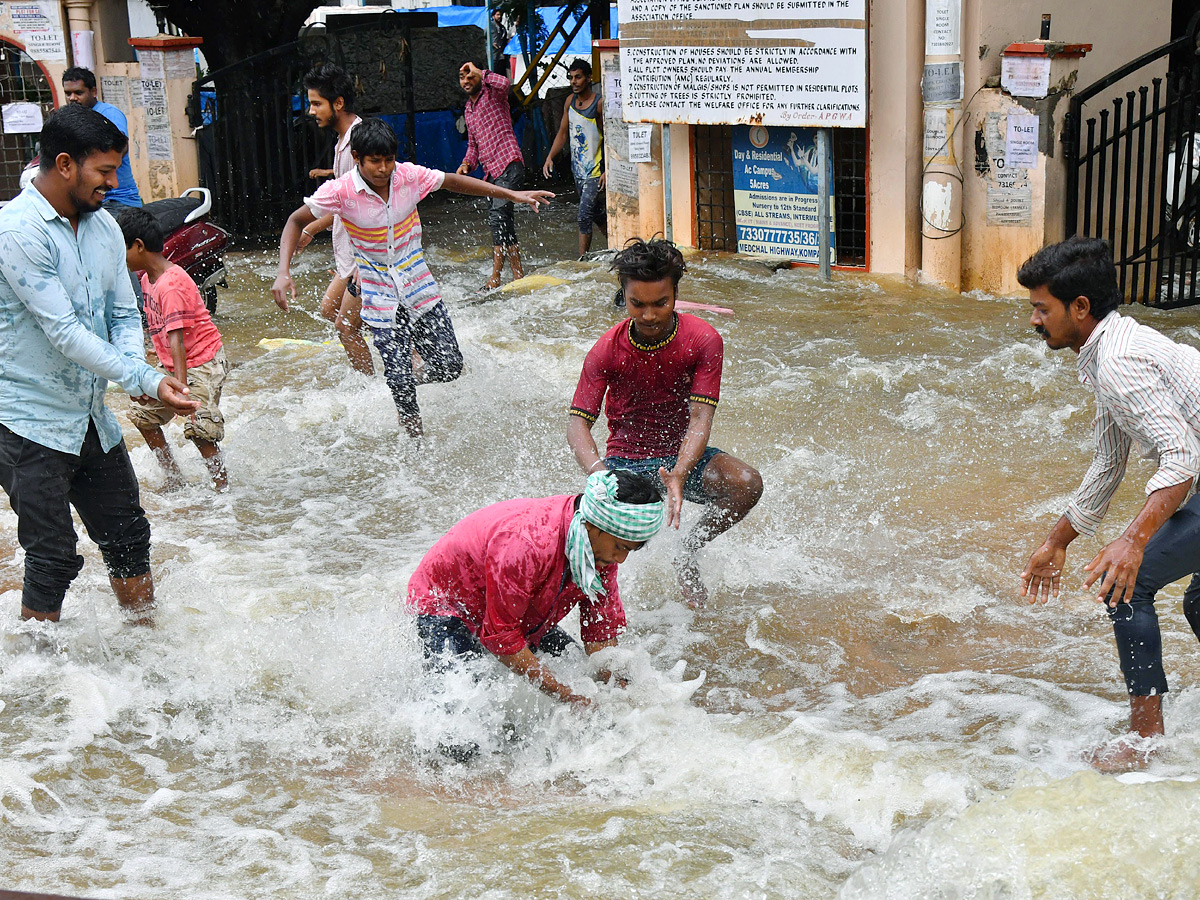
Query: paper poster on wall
[711,62]
[152,64]
[22,118]
[1021,142]
[639,143]
[775,191]
[937,146]
[1009,190]
[180,64]
[1025,76]
[114,89]
[38,25]
[942,83]
[154,98]
[623,179]
[158,144]
[942,18]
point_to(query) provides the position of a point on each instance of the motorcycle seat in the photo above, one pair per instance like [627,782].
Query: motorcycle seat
[171,212]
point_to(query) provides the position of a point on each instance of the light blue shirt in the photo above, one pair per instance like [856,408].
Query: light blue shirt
[69,324]
[126,190]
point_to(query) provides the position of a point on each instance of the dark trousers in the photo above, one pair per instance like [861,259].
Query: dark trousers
[1172,553]
[43,484]
[446,638]
[500,212]
[433,337]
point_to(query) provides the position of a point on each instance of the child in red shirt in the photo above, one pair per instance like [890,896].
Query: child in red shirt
[187,344]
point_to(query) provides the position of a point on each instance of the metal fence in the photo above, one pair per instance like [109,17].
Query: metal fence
[1132,170]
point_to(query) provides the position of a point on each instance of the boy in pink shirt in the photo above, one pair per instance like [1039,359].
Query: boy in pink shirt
[502,579]
[377,203]
[187,345]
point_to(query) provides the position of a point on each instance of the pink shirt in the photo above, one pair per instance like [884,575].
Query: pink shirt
[343,162]
[503,571]
[386,237]
[173,302]
[490,139]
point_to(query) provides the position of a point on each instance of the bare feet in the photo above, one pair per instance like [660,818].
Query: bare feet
[491,284]
[1127,753]
[691,585]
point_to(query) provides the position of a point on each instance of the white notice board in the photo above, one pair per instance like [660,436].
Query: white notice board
[764,62]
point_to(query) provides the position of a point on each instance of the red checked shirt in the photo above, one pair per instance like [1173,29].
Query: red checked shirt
[503,571]
[490,138]
[649,388]
[1147,391]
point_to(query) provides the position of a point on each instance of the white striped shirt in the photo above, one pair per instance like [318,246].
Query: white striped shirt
[1147,390]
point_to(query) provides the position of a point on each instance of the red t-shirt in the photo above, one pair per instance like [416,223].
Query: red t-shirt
[173,302]
[503,571]
[649,388]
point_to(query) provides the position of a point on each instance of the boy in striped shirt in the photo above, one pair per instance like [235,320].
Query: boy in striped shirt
[377,203]
[1147,391]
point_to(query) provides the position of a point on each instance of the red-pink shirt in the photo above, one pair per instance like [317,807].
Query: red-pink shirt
[490,139]
[649,388]
[173,302]
[503,570]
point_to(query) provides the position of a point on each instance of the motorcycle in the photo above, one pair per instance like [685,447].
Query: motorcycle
[192,242]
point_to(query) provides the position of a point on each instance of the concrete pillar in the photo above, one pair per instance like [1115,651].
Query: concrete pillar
[81,32]
[167,72]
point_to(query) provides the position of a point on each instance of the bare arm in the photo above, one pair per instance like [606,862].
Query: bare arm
[473,187]
[582,444]
[284,288]
[312,230]
[695,441]
[1119,561]
[525,663]
[178,354]
[560,140]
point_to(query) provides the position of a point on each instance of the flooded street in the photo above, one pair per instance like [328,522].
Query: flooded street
[864,709]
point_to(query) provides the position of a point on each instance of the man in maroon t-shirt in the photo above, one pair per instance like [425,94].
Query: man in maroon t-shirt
[661,371]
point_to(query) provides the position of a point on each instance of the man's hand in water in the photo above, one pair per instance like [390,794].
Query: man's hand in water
[1041,578]
[282,290]
[674,483]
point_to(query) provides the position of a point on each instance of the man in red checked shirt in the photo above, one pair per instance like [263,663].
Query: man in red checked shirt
[492,144]
[661,371]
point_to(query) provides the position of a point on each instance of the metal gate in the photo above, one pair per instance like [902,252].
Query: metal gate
[1132,169]
[256,141]
[22,80]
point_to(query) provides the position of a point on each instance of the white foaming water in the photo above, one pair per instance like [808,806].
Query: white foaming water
[862,711]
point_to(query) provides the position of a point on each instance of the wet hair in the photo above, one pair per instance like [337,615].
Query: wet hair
[1077,267]
[580,65]
[373,137]
[139,225]
[651,260]
[79,73]
[635,488]
[331,82]
[78,131]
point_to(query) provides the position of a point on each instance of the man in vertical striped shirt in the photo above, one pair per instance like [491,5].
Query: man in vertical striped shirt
[1147,391]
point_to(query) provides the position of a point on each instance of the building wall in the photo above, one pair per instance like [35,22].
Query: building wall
[896,57]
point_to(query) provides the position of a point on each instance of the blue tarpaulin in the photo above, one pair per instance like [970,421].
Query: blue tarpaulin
[580,46]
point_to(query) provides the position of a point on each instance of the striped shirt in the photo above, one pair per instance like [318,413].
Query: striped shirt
[343,162]
[386,237]
[1147,390]
[490,139]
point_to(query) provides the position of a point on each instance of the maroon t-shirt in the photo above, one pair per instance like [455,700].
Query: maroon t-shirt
[649,387]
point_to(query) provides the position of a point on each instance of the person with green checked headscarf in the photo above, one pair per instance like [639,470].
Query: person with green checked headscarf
[504,577]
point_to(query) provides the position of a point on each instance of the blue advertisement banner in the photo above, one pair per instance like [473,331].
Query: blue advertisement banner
[775,191]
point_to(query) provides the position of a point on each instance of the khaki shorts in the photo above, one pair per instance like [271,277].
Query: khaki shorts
[205,383]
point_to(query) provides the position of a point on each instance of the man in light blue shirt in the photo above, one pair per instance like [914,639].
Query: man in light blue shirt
[79,86]
[68,326]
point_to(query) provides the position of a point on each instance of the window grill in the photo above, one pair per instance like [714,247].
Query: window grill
[850,195]
[21,81]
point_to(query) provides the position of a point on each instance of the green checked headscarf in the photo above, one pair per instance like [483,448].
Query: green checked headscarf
[600,506]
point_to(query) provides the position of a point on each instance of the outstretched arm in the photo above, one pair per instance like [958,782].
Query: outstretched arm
[473,187]
[284,287]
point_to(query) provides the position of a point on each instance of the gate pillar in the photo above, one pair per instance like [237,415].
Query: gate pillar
[168,70]
[1014,172]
